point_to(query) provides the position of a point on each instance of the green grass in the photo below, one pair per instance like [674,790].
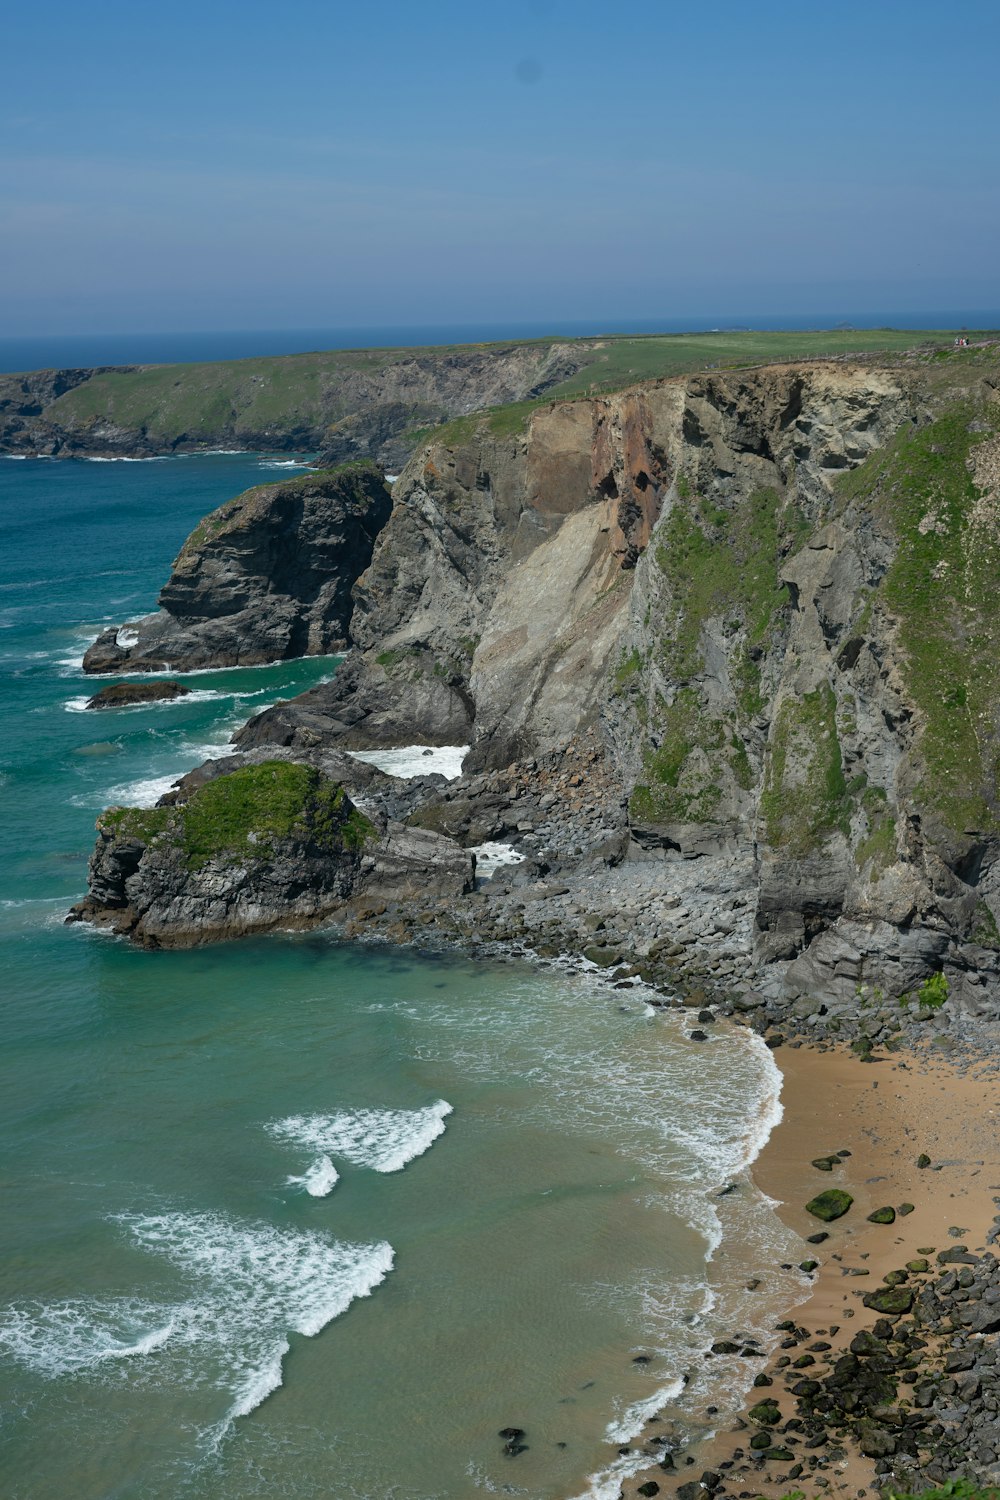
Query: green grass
[240,816]
[274,396]
[142,823]
[624,361]
[805,797]
[941,588]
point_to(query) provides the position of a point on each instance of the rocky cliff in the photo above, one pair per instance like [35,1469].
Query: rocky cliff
[768,595]
[266,576]
[347,404]
[730,639]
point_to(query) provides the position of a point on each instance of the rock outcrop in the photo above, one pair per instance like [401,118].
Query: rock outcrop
[769,591]
[272,844]
[133,694]
[265,577]
[495,593]
[757,608]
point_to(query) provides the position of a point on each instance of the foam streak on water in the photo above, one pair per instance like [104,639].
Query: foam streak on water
[383,1139]
[250,1285]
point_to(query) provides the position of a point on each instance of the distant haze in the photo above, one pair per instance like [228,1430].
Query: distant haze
[240,166]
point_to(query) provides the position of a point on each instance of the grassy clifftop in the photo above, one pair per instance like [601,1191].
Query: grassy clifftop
[303,400]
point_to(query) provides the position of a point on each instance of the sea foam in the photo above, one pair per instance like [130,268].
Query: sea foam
[383,1139]
[249,1286]
[417,760]
[318,1180]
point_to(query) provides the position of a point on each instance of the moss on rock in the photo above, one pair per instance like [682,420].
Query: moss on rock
[242,815]
[805,797]
[832,1204]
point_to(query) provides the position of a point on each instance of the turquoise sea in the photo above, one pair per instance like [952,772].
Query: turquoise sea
[298,1218]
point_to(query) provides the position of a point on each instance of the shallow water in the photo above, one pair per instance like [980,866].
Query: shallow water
[293,1217]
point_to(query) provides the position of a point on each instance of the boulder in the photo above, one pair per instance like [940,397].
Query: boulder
[832,1204]
[127,694]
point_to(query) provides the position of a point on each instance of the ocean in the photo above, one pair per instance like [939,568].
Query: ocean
[81,351]
[294,1217]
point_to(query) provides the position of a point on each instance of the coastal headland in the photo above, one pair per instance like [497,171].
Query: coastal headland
[716,654]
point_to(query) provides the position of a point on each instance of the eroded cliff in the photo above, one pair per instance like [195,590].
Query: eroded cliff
[729,638]
[768,594]
[265,577]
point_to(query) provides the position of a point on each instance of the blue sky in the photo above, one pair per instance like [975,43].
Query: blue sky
[318,164]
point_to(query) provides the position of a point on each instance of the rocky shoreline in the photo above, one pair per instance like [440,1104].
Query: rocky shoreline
[723,655]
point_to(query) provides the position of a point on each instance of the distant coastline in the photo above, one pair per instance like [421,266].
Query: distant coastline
[85,350]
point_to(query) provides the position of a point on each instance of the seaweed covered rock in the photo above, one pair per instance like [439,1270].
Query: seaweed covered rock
[265,577]
[277,844]
[832,1204]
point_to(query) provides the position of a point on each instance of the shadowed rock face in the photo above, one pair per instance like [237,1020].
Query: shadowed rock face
[266,577]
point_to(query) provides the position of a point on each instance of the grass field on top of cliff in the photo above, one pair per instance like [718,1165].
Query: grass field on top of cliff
[621,361]
[292,393]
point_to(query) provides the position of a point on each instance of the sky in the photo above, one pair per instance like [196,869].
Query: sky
[317,163]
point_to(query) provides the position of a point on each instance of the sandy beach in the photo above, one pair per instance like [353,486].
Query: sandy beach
[887,1114]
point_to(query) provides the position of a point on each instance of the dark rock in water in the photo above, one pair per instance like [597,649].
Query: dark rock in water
[275,844]
[826,1163]
[124,694]
[832,1204]
[650,1487]
[513,1448]
[641,1359]
[902,1209]
[885,1215]
[808,1265]
[923,1160]
[775,1040]
[762,1380]
[725,1346]
[818,1238]
[265,577]
[698,1036]
[511,1434]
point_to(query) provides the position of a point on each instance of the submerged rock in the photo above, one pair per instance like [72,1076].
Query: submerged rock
[125,694]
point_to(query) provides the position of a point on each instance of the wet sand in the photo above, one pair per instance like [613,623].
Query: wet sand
[885,1113]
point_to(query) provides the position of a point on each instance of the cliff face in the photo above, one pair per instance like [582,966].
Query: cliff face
[753,614]
[347,404]
[770,593]
[266,576]
[494,596]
